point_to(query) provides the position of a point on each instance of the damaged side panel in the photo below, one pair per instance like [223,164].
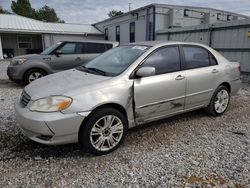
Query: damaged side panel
[158,96]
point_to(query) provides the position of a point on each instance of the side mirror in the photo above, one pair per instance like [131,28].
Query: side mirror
[58,53]
[145,72]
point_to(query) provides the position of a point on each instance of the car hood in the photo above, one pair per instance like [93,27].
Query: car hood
[63,83]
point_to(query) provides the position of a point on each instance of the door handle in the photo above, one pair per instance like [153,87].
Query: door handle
[179,77]
[215,71]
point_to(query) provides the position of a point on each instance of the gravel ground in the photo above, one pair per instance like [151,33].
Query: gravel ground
[3,69]
[189,150]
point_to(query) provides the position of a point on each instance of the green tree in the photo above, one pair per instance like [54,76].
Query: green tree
[23,8]
[48,14]
[114,13]
[2,11]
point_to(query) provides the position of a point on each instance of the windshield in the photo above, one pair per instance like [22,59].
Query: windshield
[114,61]
[48,50]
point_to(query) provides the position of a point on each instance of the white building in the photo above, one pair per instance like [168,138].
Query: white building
[142,24]
[20,35]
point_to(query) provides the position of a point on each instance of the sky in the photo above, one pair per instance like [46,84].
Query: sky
[92,11]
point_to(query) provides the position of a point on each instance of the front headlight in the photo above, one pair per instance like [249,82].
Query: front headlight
[51,104]
[18,61]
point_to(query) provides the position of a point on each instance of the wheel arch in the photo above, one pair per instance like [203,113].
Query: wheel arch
[34,68]
[116,106]
[226,84]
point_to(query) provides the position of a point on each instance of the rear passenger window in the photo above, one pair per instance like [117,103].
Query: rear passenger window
[213,61]
[164,60]
[196,57]
[93,48]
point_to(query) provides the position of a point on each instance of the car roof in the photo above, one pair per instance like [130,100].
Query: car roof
[160,43]
[92,41]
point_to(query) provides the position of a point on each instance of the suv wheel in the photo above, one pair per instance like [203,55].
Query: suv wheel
[103,132]
[32,75]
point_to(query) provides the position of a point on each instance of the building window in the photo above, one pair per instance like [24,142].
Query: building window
[24,42]
[132,32]
[106,34]
[229,17]
[185,12]
[117,30]
[219,16]
[150,31]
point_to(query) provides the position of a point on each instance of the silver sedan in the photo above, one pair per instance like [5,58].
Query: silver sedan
[127,86]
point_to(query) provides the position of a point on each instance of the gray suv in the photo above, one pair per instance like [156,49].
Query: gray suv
[60,56]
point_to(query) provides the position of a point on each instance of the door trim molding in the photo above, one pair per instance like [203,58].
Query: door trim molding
[160,102]
[200,92]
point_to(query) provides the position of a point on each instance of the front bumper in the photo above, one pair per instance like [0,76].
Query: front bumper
[14,73]
[48,128]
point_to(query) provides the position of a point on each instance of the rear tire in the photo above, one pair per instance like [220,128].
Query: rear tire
[219,102]
[103,132]
[32,75]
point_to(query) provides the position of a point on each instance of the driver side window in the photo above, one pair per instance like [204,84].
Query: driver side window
[68,48]
[164,60]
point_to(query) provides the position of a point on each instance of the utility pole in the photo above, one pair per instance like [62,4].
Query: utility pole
[129,6]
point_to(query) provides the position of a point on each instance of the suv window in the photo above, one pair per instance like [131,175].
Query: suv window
[164,60]
[196,57]
[68,48]
[93,48]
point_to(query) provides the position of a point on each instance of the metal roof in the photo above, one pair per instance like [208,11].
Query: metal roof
[16,23]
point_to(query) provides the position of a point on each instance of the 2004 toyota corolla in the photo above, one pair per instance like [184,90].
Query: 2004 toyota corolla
[127,86]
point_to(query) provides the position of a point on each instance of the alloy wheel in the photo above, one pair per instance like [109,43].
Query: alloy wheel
[221,101]
[35,75]
[106,133]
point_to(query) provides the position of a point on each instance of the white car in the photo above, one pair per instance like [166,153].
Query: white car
[124,87]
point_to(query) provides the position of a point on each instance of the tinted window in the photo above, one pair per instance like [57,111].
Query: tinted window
[164,60]
[195,57]
[50,49]
[68,48]
[213,61]
[93,48]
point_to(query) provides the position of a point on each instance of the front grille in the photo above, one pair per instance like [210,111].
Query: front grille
[25,98]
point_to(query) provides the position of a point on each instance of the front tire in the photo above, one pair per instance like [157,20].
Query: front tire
[219,102]
[33,75]
[103,131]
